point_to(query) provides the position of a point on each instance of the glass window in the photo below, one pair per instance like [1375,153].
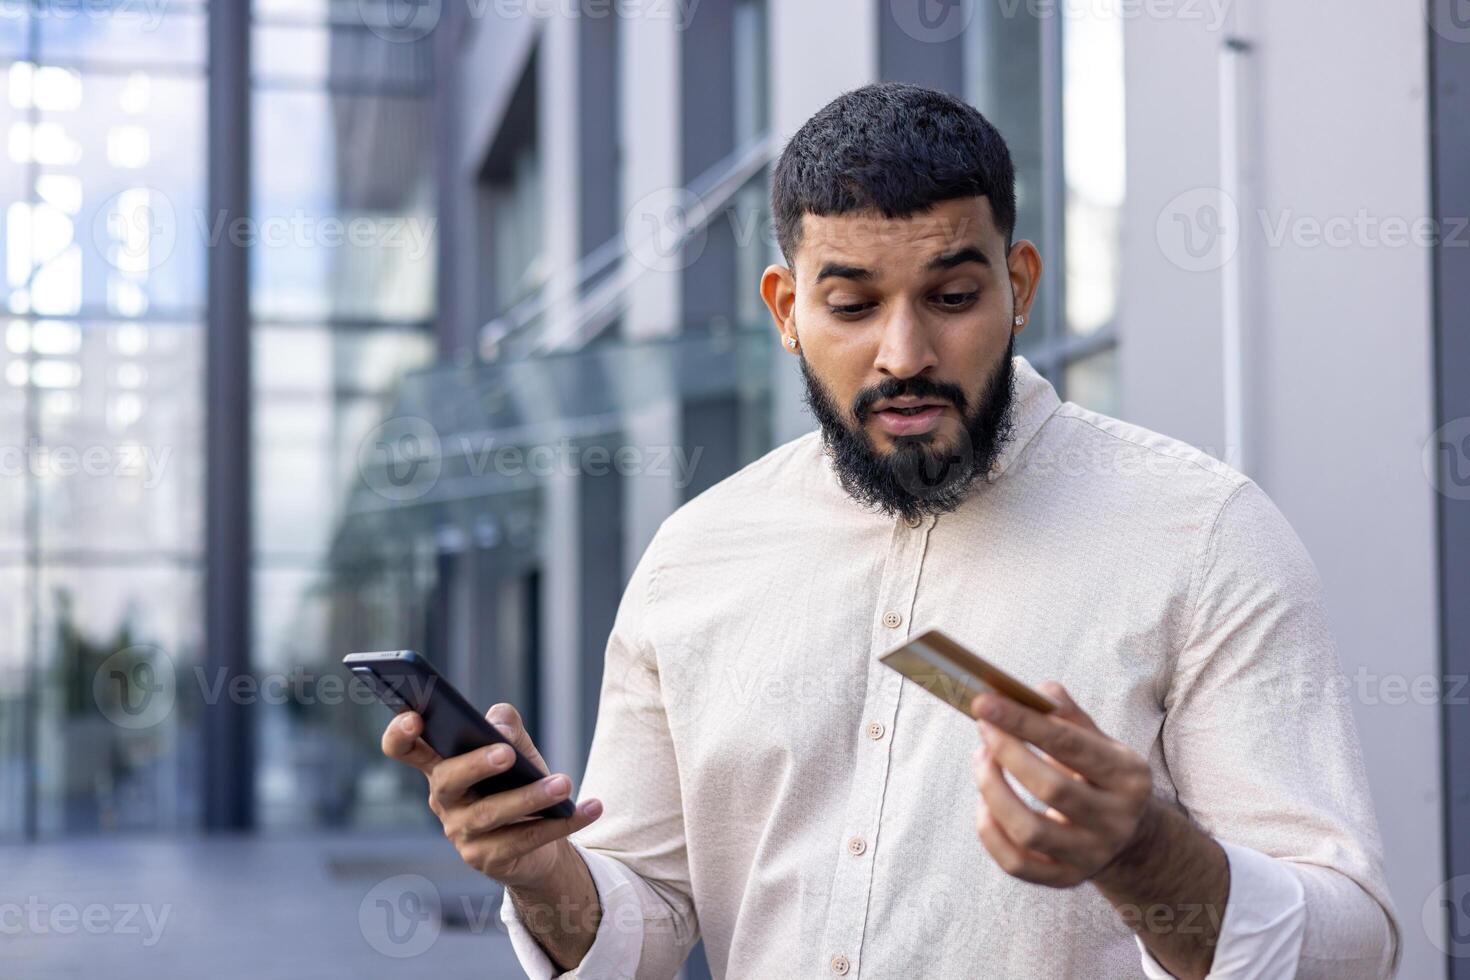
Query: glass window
[166,35]
[342,55]
[101,414]
[319,393]
[121,417]
[750,210]
[119,700]
[15,431]
[1052,82]
[1003,76]
[107,197]
[752,99]
[382,14]
[15,663]
[319,763]
[13,31]
[755,248]
[343,223]
[516,209]
[1094,166]
[342,281]
[14,173]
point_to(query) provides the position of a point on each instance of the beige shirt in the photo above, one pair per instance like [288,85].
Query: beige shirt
[772,788]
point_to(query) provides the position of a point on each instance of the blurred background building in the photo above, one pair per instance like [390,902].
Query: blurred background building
[332,325]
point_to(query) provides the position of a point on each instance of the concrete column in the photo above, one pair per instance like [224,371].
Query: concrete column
[561,607]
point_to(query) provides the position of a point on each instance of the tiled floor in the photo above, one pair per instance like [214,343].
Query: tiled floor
[258,908]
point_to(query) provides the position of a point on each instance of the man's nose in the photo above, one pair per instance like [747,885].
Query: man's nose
[906,348]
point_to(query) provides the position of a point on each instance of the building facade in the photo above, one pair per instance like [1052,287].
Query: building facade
[458,430]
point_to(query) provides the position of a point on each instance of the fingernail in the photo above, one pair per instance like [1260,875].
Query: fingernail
[504,730]
[499,755]
[591,808]
[989,708]
[556,785]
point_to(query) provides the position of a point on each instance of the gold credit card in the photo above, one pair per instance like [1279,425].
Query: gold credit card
[956,675]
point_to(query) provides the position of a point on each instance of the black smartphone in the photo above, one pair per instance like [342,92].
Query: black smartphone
[406,681]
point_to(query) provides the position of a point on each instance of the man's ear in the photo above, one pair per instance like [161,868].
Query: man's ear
[1024,265]
[778,289]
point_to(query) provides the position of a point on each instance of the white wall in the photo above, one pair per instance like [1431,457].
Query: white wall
[1337,339]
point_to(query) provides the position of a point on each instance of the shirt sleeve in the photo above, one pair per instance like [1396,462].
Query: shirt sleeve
[1261,933]
[636,850]
[614,951]
[1263,751]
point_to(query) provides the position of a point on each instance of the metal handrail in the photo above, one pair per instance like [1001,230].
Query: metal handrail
[601,304]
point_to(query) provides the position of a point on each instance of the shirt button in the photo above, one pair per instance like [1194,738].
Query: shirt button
[856,846]
[913,521]
[891,620]
[840,966]
[875,730]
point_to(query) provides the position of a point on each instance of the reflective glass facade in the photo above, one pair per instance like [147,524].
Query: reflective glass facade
[101,403]
[342,301]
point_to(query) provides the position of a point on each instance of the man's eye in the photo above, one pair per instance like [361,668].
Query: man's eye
[956,300]
[849,309]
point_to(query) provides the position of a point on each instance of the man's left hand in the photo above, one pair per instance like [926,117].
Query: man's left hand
[1098,791]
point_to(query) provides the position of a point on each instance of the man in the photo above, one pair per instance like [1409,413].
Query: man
[757,778]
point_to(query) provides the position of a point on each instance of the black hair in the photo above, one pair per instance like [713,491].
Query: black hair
[895,148]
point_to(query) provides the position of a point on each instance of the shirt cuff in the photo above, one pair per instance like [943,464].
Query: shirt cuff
[619,942]
[1265,920]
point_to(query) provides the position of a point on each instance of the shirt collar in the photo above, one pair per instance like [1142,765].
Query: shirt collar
[1035,401]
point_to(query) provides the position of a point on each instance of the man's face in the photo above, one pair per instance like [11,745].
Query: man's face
[906,330]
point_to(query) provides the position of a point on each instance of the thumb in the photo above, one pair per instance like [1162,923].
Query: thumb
[507,721]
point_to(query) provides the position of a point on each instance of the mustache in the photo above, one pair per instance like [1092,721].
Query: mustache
[917,387]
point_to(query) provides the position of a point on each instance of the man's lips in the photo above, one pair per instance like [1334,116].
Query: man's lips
[908,423]
[907,401]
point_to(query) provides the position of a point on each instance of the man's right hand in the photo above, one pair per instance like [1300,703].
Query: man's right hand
[497,834]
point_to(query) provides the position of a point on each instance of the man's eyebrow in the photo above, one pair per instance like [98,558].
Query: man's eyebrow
[949,260]
[833,270]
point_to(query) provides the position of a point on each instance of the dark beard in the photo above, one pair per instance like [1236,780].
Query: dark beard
[916,478]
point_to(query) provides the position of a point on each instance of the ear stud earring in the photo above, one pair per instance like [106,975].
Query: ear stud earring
[791,343]
[1020,321]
